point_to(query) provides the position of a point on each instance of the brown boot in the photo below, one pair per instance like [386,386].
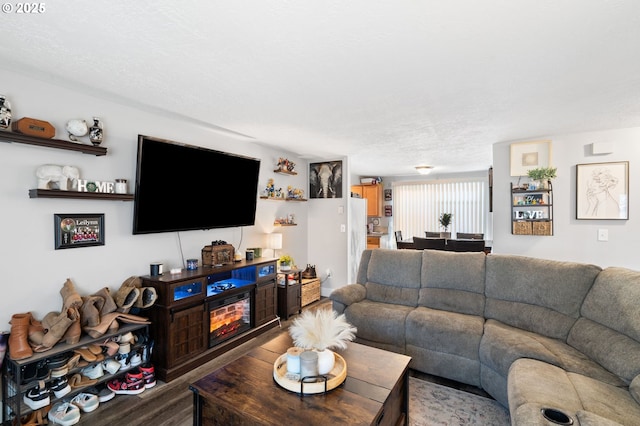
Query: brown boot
[90,311]
[109,304]
[74,332]
[36,332]
[18,344]
[70,297]
[55,326]
[127,294]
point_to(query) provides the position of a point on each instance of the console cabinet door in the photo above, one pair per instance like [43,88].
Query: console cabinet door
[266,307]
[187,334]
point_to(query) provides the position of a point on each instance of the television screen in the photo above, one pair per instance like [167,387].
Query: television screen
[182,187]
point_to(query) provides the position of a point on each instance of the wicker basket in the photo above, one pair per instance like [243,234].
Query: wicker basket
[522,228]
[310,291]
[541,228]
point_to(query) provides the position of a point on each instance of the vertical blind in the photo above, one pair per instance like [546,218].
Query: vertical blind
[418,205]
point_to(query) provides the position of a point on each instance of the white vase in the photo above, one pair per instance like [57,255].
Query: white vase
[326,361]
[285,267]
[5,113]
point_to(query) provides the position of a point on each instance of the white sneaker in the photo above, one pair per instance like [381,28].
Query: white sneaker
[87,402]
[93,371]
[64,413]
[136,360]
[111,365]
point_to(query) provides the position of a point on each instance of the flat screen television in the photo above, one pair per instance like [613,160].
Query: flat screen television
[182,187]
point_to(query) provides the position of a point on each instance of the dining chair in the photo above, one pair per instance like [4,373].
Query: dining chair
[465,245]
[469,236]
[398,235]
[429,243]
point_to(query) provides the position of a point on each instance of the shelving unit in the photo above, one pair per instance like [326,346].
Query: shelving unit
[53,193]
[12,371]
[289,293]
[532,211]
[285,172]
[11,137]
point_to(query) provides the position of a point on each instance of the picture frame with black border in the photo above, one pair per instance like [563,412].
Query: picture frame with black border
[75,230]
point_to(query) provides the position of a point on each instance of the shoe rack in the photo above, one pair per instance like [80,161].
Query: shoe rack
[13,388]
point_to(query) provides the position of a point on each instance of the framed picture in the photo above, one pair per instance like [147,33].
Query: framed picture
[602,190]
[325,180]
[387,195]
[529,155]
[78,230]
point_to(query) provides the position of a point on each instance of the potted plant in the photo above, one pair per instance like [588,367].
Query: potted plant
[542,175]
[286,262]
[445,221]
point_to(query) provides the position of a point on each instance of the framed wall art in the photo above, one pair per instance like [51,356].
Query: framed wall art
[529,155]
[602,190]
[325,180]
[78,230]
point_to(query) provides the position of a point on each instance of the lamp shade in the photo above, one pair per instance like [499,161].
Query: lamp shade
[274,241]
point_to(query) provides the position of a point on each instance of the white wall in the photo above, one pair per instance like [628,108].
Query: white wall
[33,272]
[574,240]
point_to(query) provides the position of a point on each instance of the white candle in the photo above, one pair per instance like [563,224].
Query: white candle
[293,360]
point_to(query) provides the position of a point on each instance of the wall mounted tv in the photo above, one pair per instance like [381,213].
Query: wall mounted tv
[183,187]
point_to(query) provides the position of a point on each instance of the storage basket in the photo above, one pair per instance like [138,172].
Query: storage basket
[522,228]
[541,228]
[310,291]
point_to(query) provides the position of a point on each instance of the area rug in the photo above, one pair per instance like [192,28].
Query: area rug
[432,404]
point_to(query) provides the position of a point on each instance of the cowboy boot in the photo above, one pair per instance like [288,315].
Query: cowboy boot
[90,311]
[36,332]
[70,297]
[127,294]
[18,344]
[55,325]
[74,332]
[109,304]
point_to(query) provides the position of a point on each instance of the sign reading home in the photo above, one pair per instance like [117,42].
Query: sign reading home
[85,185]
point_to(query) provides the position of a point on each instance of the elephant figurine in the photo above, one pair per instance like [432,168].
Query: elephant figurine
[51,176]
[325,180]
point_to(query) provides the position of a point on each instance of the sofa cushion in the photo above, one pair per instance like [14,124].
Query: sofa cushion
[393,276]
[379,322]
[502,345]
[534,385]
[445,343]
[543,296]
[634,388]
[453,281]
[609,331]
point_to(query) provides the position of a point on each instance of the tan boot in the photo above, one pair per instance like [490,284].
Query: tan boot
[55,325]
[90,311]
[18,344]
[109,304]
[74,332]
[70,297]
[127,294]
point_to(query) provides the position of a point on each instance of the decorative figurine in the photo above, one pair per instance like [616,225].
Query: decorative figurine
[95,134]
[76,128]
[5,113]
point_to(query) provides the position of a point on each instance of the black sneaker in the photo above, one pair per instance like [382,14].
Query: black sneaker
[60,387]
[34,371]
[37,397]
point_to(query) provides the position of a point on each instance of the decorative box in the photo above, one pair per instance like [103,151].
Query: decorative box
[33,127]
[217,255]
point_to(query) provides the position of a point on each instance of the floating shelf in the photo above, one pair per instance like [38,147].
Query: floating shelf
[52,193]
[283,199]
[284,224]
[285,172]
[12,137]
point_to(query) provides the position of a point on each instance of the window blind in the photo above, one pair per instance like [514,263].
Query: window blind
[418,205]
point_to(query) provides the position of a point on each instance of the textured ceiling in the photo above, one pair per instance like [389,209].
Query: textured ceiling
[392,84]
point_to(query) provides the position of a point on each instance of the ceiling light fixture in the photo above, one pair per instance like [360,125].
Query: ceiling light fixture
[424,170]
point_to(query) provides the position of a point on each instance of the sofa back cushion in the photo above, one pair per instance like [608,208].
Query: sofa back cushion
[393,276]
[453,282]
[538,295]
[609,330]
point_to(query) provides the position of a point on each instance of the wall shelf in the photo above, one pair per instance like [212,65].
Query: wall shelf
[282,199]
[11,137]
[285,172]
[53,193]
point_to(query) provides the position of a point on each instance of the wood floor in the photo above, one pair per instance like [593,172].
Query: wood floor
[171,404]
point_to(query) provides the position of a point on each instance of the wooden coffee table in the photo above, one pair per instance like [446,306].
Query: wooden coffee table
[245,393]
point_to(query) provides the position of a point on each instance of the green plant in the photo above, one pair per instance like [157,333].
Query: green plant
[286,259]
[445,220]
[542,173]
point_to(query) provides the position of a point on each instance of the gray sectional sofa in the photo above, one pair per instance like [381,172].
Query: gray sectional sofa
[535,334]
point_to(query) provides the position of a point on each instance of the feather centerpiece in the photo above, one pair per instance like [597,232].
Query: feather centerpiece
[322,329]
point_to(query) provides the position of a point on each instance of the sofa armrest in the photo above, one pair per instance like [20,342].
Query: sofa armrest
[349,294]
